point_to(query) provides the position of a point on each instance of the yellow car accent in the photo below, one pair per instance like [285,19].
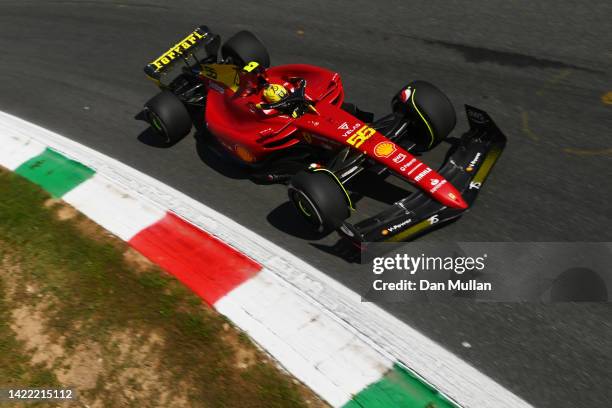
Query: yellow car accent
[486,165]
[274,93]
[415,229]
[303,209]
[178,49]
[359,137]
[431,134]
[250,66]
[223,74]
[348,197]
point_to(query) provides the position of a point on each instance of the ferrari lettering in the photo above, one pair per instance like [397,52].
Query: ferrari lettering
[177,50]
[422,174]
[359,137]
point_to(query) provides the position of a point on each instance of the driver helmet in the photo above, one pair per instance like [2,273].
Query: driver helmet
[274,93]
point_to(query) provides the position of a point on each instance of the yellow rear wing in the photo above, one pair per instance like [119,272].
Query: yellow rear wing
[183,50]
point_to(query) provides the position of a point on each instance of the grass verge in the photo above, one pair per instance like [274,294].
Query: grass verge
[79,308]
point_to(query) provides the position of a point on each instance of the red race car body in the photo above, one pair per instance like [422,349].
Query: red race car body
[251,134]
[313,141]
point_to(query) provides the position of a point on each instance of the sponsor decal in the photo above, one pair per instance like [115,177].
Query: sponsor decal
[438,185]
[347,231]
[399,158]
[343,126]
[384,149]
[422,174]
[414,168]
[349,171]
[433,219]
[434,181]
[473,163]
[177,50]
[405,166]
[244,154]
[226,145]
[360,136]
[250,66]
[396,227]
[474,185]
[351,130]
[452,196]
[216,87]
[405,94]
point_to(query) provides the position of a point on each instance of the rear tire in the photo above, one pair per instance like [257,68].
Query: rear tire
[244,47]
[320,200]
[430,108]
[168,116]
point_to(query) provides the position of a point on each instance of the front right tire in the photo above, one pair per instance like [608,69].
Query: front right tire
[429,108]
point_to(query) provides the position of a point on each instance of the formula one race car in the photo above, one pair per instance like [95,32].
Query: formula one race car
[289,124]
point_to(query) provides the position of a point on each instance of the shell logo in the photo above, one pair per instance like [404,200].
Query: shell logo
[384,232]
[384,149]
[244,154]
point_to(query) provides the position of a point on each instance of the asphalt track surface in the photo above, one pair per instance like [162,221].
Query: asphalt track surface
[539,68]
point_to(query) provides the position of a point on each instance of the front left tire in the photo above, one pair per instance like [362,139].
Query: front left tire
[320,199]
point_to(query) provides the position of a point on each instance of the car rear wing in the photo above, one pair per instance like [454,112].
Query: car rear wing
[182,51]
[467,165]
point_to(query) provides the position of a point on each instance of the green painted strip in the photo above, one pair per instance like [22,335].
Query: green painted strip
[399,389]
[54,172]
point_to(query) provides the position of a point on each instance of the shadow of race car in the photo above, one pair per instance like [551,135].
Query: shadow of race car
[290,124]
